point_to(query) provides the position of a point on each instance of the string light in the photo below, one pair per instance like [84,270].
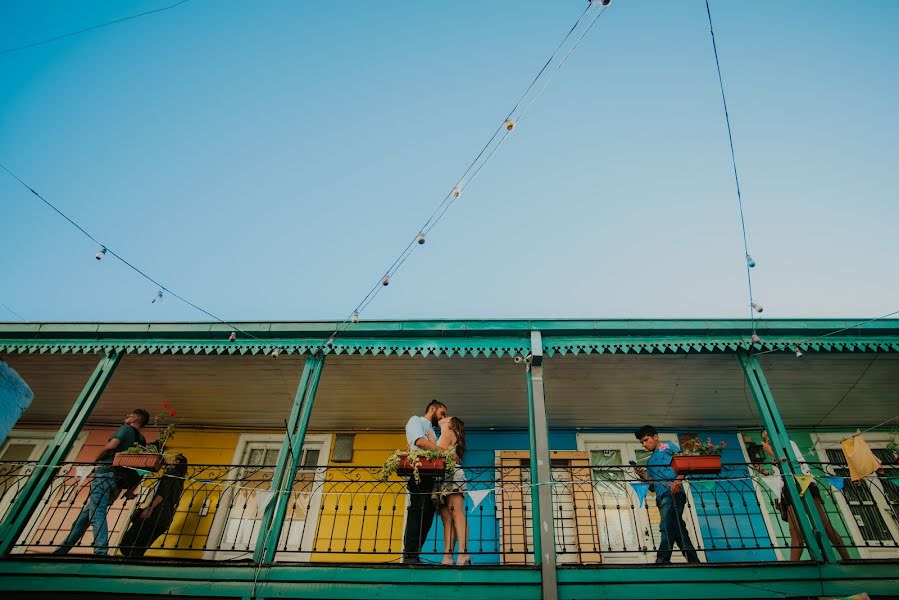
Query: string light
[276,353]
[100,254]
[355,317]
[421,239]
[385,281]
[509,125]
[232,337]
[758,307]
[798,352]
[457,191]
[756,339]
[158,297]
[750,261]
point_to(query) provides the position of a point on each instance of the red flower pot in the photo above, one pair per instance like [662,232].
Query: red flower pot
[707,464]
[147,462]
[427,466]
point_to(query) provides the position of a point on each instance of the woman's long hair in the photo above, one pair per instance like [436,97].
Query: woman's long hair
[458,427]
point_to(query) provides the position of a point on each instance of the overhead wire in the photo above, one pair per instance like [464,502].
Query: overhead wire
[486,153]
[11,311]
[91,28]
[830,333]
[122,259]
[733,158]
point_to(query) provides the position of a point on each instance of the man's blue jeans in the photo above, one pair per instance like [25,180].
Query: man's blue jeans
[673,530]
[103,490]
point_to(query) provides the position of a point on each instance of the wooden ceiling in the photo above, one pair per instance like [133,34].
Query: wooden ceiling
[380,392]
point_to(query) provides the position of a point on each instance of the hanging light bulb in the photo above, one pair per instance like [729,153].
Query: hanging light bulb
[750,261]
[605,2]
[330,342]
[798,352]
[757,307]
[355,317]
[457,191]
[421,239]
[100,253]
[386,281]
[158,297]
[756,339]
[276,353]
[232,337]
[510,125]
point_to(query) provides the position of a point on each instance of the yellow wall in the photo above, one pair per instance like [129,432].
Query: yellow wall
[189,529]
[349,521]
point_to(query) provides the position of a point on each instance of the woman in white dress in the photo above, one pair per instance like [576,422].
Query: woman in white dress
[452,494]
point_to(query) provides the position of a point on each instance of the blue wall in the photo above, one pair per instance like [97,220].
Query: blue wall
[730,522]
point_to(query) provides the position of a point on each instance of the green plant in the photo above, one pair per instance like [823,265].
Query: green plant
[695,447]
[893,444]
[415,456]
[166,428]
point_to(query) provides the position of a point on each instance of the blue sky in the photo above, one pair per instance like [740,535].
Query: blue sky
[268,160]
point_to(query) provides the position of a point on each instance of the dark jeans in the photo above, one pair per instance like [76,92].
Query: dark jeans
[103,493]
[419,516]
[673,530]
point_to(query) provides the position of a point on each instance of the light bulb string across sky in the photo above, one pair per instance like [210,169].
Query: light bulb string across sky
[506,127]
[486,153]
[750,262]
[105,249]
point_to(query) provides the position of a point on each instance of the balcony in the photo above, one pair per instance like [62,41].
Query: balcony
[283,489]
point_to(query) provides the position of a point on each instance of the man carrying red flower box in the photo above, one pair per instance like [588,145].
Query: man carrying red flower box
[670,496]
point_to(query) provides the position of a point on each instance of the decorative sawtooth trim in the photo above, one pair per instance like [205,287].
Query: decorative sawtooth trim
[562,346]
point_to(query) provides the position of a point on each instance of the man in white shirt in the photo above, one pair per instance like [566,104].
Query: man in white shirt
[420,434]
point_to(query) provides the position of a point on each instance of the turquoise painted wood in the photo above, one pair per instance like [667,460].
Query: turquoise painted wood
[298,435]
[29,498]
[282,466]
[819,547]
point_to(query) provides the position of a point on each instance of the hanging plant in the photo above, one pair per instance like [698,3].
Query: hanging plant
[414,462]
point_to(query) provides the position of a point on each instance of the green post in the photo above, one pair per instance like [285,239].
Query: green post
[29,498]
[541,473]
[288,461]
[820,549]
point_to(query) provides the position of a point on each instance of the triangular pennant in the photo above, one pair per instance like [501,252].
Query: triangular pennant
[82,471]
[894,481]
[804,481]
[143,473]
[640,489]
[775,483]
[263,497]
[836,482]
[477,496]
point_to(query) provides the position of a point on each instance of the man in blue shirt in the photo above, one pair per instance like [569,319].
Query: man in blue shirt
[103,486]
[670,496]
[420,434]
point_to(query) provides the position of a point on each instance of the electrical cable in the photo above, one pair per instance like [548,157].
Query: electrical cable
[122,259]
[733,157]
[91,28]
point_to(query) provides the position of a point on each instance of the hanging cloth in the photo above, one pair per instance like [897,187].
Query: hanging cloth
[859,457]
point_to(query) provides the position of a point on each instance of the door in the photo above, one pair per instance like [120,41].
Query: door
[19,453]
[243,504]
[628,533]
[573,516]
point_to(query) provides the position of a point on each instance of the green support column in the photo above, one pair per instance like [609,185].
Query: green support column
[28,499]
[819,547]
[541,473]
[288,461]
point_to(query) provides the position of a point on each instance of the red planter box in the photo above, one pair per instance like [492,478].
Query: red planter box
[427,467]
[709,464]
[147,462]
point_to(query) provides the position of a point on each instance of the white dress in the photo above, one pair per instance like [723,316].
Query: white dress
[454,483]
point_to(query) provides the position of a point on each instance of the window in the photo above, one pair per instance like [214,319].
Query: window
[242,505]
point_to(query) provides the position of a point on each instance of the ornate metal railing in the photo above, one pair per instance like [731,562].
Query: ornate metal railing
[211,509]
[347,514]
